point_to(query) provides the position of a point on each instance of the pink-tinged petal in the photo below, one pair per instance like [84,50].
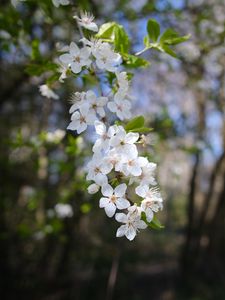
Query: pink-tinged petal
[130,233]
[121,231]
[107,190]
[75,67]
[132,137]
[122,203]
[120,190]
[74,49]
[110,209]
[65,58]
[121,217]
[149,214]
[103,202]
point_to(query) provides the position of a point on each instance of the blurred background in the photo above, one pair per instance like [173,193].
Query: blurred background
[55,243]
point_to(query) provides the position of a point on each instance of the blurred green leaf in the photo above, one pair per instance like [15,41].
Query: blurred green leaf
[153,29]
[133,61]
[135,123]
[122,43]
[171,37]
[106,31]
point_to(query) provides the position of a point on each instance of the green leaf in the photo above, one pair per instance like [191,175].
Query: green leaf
[154,224]
[153,29]
[171,37]
[121,41]
[35,53]
[141,129]
[136,122]
[169,51]
[133,61]
[146,41]
[106,31]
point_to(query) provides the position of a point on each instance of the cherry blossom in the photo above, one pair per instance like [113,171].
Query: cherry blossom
[132,223]
[106,58]
[97,170]
[96,104]
[103,142]
[80,120]
[121,106]
[76,58]
[152,200]
[86,21]
[47,92]
[124,142]
[113,199]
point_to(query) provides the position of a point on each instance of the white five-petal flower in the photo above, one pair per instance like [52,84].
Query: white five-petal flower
[124,142]
[86,21]
[103,142]
[120,106]
[132,223]
[152,200]
[114,198]
[80,120]
[76,58]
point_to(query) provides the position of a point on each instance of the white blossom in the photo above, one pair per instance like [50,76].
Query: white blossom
[80,120]
[152,200]
[76,58]
[47,92]
[63,210]
[124,142]
[86,21]
[120,105]
[106,58]
[133,166]
[113,198]
[132,223]
[97,170]
[96,104]
[93,188]
[103,142]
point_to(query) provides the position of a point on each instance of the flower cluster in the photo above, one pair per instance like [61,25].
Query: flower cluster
[125,178]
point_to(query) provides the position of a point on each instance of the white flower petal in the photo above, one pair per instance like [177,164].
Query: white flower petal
[121,217]
[121,231]
[110,209]
[130,233]
[122,203]
[120,190]
[103,202]
[107,190]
